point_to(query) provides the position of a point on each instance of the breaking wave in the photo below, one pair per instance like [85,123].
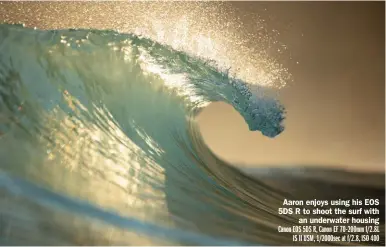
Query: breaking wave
[99,145]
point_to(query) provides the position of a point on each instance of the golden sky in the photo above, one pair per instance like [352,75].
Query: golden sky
[336,101]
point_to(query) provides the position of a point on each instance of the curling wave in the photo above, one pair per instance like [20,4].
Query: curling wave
[98,145]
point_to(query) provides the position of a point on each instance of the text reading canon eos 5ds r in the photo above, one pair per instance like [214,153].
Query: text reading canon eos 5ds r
[332,220]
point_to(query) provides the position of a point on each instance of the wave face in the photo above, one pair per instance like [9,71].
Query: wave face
[99,142]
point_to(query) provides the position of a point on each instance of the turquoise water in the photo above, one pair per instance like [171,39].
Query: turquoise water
[99,145]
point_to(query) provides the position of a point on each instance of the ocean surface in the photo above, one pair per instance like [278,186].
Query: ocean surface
[99,146]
